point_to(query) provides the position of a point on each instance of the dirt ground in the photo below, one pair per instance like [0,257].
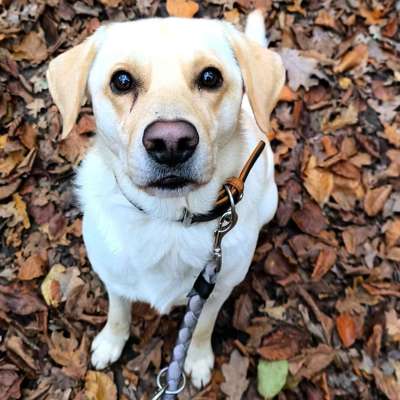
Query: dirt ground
[321,301]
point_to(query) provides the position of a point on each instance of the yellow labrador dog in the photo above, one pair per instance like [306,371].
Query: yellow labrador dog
[179,106]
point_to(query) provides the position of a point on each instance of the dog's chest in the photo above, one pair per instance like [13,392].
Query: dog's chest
[145,259]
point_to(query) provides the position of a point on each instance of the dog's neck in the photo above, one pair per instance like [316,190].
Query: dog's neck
[198,201]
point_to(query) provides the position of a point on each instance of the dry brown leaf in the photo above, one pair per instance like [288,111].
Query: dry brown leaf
[346,328]
[349,116]
[325,261]
[310,219]
[392,232]
[300,69]
[318,182]
[352,59]
[392,134]
[235,373]
[182,8]
[324,18]
[69,354]
[393,325]
[111,3]
[32,48]
[59,283]
[283,344]
[311,361]
[99,386]
[20,207]
[386,384]
[375,199]
[32,267]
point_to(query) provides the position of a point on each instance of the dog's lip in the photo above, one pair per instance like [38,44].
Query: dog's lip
[171,182]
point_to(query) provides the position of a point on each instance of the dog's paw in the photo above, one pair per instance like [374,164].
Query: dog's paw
[107,347]
[199,363]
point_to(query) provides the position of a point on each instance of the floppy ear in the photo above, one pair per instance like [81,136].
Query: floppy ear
[263,75]
[67,77]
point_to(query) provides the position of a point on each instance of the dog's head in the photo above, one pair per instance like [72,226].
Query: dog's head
[166,95]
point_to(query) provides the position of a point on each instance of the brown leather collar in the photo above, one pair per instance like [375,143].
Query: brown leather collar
[236,186]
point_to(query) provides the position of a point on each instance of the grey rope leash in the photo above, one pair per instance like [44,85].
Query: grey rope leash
[173,376]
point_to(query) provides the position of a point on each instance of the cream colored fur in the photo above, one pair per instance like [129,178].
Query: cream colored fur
[148,256]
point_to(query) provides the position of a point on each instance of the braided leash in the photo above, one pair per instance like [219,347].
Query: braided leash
[171,380]
[202,288]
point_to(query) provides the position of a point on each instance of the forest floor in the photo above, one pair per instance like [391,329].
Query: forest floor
[322,295]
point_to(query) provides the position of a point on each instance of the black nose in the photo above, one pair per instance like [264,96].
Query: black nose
[170,142]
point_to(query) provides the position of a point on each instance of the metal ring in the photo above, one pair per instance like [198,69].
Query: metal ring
[231,199]
[160,386]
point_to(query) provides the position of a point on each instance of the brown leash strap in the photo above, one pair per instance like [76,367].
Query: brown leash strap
[236,186]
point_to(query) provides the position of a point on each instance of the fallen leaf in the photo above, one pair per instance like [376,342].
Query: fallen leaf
[69,354]
[346,328]
[182,8]
[271,377]
[111,3]
[392,232]
[32,267]
[393,325]
[283,344]
[59,283]
[242,313]
[311,362]
[318,182]
[310,219]
[32,48]
[386,384]
[392,134]
[375,199]
[300,69]
[99,386]
[235,373]
[325,261]
[352,59]
[20,300]
[10,383]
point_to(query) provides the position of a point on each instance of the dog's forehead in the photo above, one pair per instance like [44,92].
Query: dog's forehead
[163,38]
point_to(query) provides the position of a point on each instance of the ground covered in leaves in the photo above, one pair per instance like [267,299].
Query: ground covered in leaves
[322,298]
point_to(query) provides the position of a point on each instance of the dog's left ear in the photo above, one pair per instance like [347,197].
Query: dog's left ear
[263,75]
[67,77]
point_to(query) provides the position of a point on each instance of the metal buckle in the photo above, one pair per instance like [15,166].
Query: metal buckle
[187,217]
[162,389]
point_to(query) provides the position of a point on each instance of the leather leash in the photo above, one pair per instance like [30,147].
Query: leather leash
[171,380]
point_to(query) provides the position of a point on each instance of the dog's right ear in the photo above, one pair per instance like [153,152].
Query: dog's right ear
[67,78]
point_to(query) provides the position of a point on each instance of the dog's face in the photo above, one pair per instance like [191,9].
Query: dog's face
[166,95]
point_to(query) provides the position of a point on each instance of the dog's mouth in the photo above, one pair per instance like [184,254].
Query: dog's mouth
[171,182]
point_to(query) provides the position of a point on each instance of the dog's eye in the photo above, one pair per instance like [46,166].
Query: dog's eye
[210,78]
[121,82]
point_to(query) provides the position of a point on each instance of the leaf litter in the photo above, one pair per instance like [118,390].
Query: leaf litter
[318,316]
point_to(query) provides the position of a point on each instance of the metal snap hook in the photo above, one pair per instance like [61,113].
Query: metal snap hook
[162,389]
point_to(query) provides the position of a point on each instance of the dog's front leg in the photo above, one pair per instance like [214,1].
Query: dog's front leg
[200,357]
[108,344]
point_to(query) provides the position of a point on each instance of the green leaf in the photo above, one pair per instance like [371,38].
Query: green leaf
[271,376]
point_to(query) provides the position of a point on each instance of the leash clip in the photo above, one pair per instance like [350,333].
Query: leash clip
[226,222]
[162,389]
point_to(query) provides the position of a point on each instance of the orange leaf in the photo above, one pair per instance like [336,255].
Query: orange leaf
[287,94]
[325,261]
[352,59]
[99,386]
[375,199]
[32,268]
[182,8]
[346,328]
